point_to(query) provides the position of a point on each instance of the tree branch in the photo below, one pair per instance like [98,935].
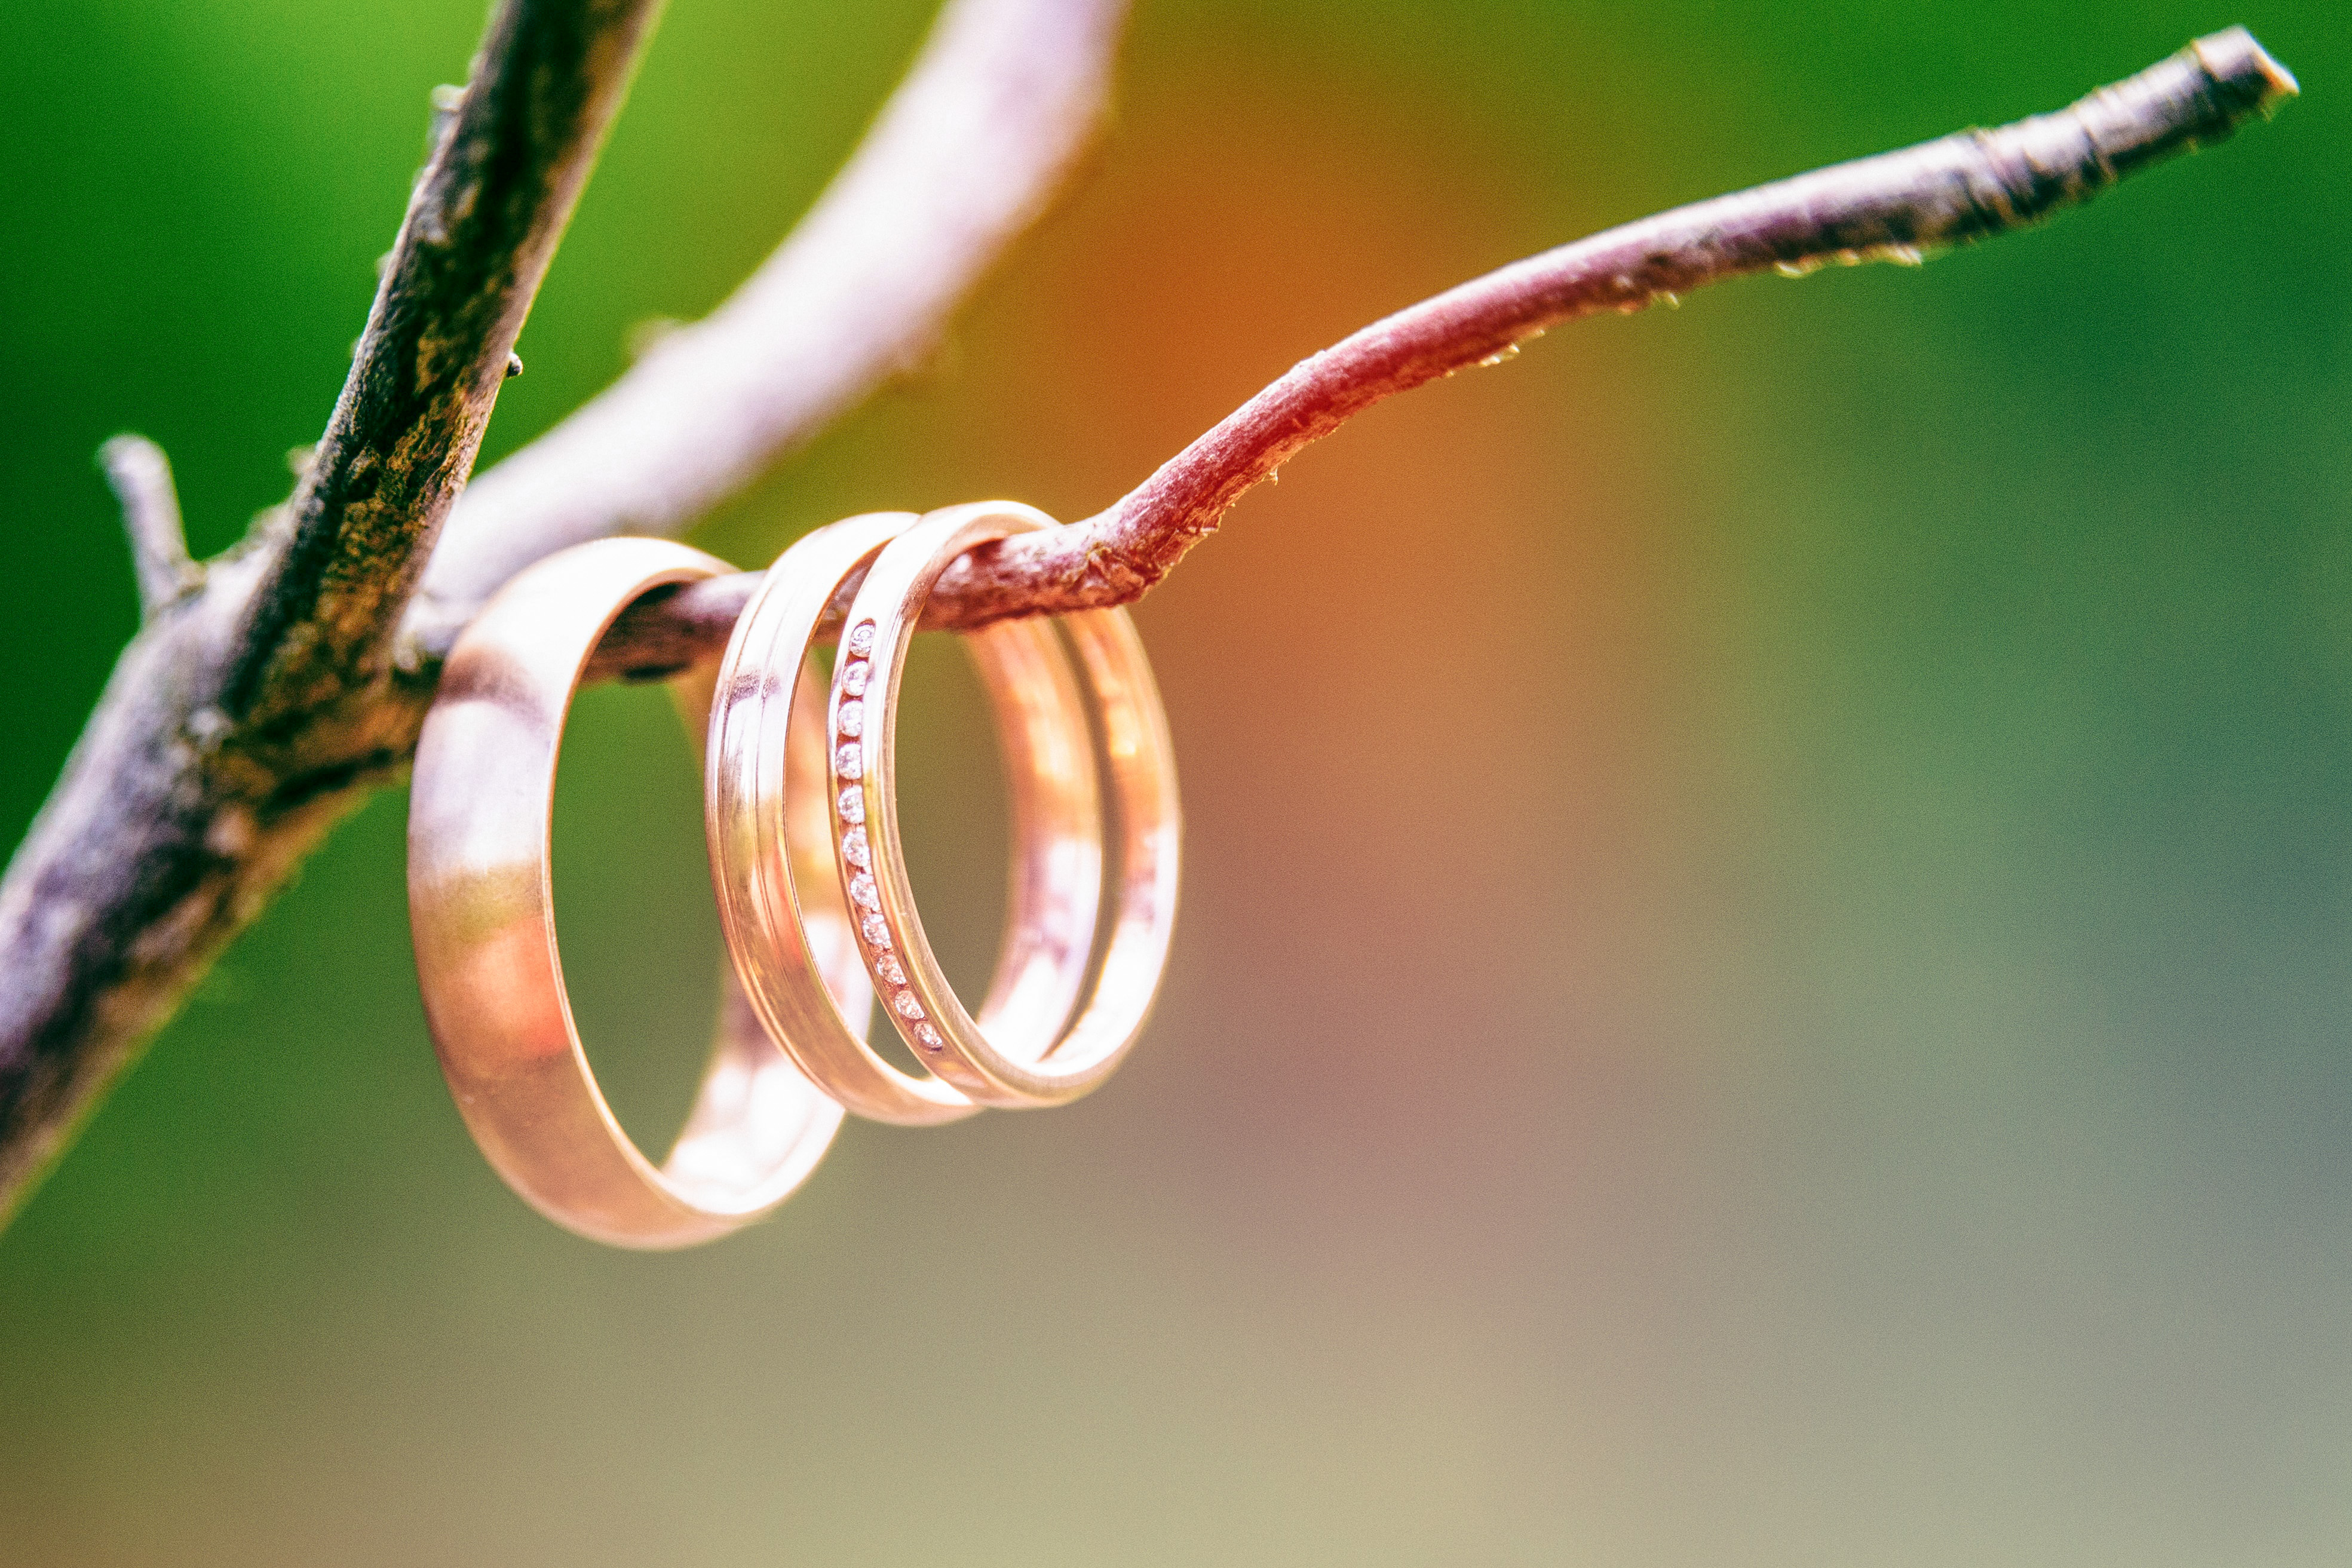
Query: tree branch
[477,238]
[1895,207]
[141,478]
[245,718]
[1005,97]
[251,713]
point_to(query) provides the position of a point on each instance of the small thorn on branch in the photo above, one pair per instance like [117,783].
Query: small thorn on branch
[140,476]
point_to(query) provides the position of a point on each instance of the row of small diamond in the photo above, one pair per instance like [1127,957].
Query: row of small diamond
[849,762]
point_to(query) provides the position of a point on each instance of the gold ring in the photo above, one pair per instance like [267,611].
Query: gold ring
[754,795]
[483,921]
[1034,1061]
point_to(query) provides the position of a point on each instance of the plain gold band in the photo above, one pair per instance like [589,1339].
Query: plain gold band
[483,921]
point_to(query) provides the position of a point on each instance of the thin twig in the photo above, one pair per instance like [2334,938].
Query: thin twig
[245,718]
[1005,97]
[1892,207]
[141,478]
[1895,207]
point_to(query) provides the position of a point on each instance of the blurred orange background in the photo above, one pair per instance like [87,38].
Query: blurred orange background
[1763,967]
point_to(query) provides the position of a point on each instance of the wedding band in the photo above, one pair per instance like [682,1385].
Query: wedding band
[482,916]
[754,793]
[992,1065]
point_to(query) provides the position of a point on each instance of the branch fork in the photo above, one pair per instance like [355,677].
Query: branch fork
[141,479]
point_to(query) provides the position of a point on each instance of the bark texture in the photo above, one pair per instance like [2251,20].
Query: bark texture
[258,700]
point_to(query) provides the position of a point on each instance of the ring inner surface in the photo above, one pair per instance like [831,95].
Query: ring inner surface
[751,1110]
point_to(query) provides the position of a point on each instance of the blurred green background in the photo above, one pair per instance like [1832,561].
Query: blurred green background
[1765,968]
